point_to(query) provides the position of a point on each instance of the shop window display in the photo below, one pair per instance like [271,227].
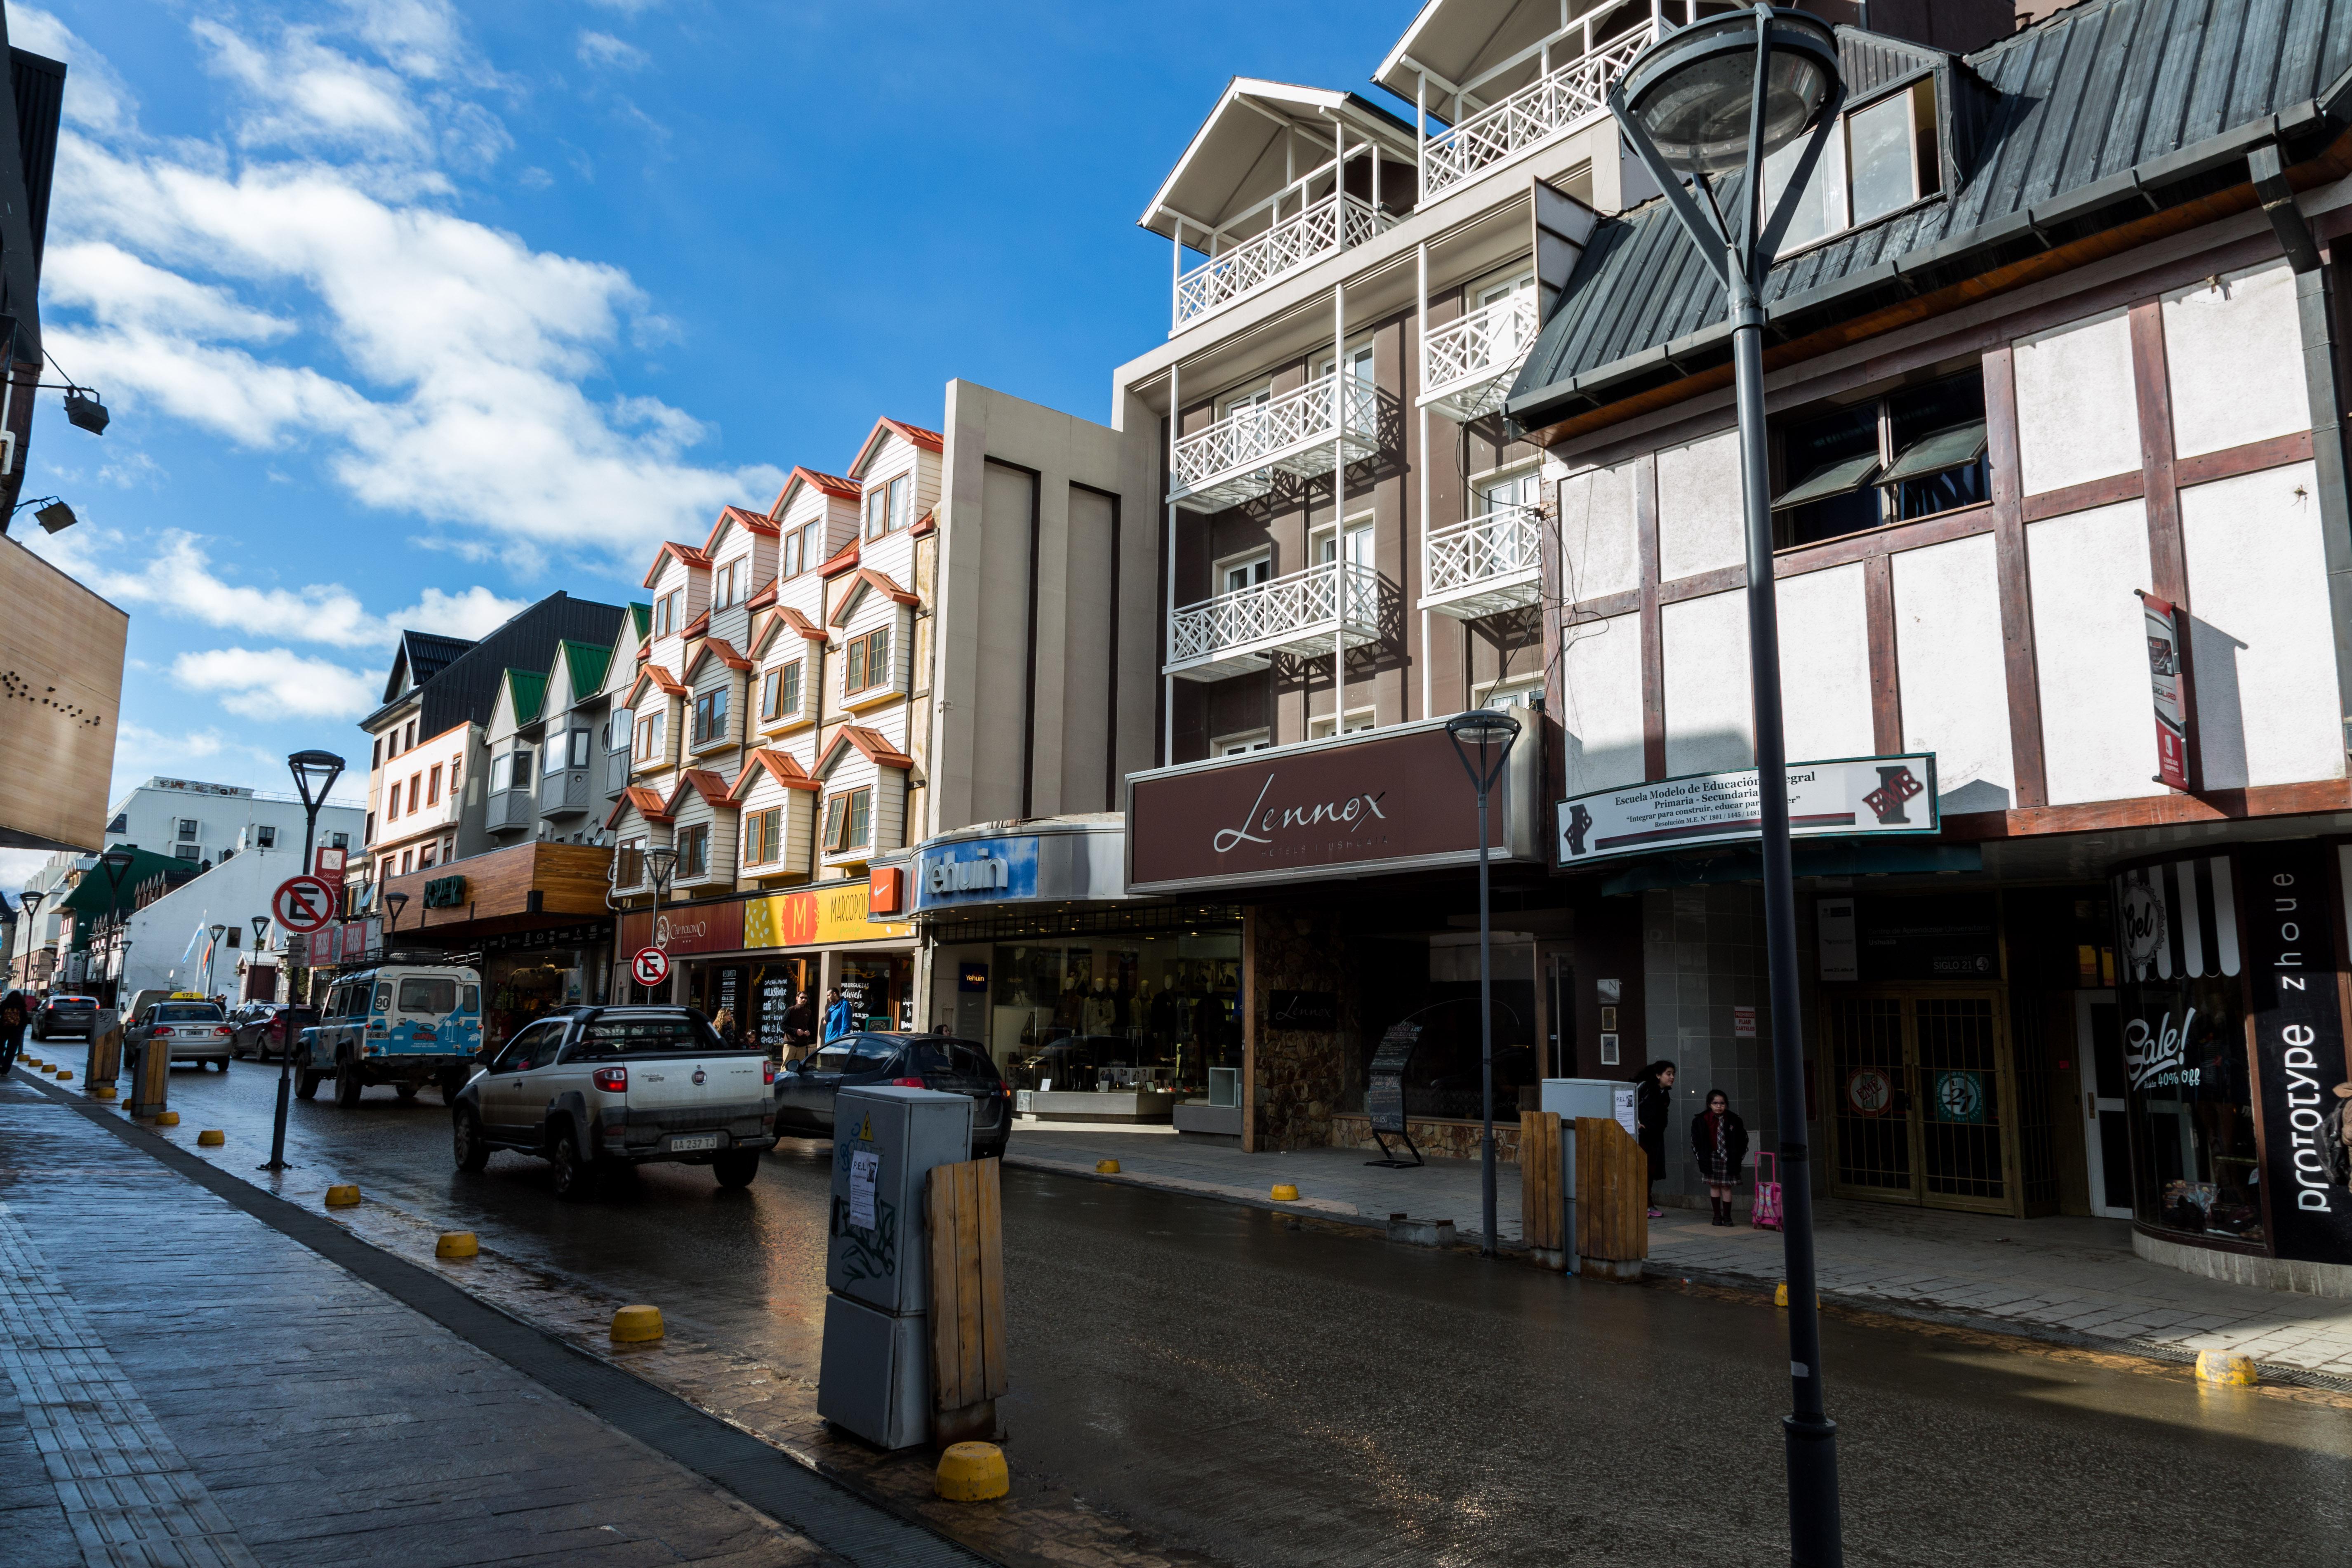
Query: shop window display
[523,987]
[1158,1013]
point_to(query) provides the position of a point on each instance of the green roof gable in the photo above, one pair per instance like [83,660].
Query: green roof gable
[643,616]
[588,664]
[527,688]
[90,895]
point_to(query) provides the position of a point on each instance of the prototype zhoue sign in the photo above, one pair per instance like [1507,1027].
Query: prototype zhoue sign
[1851,797]
[2164,685]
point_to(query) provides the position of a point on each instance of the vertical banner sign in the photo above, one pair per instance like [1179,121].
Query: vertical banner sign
[2164,683]
[2298,1045]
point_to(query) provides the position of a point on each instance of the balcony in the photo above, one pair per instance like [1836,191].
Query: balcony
[616,772]
[563,793]
[1236,458]
[1335,222]
[1302,614]
[1564,95]
[510,809]
[1485,566]
[1467,365]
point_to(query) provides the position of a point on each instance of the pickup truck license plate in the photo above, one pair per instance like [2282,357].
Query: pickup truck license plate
[687,1145]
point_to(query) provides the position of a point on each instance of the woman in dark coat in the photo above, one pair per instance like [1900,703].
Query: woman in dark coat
[1720,1139]
[1654,1105]
[15,1016]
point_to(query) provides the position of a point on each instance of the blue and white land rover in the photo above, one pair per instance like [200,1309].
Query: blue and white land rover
[406,1024]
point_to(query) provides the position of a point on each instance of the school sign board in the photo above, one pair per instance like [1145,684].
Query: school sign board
[1843,797]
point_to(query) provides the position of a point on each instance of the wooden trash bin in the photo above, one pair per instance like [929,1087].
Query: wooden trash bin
[1542,1201]
[150,1078]
[1612,1200]
[966,1213]
[105,1058]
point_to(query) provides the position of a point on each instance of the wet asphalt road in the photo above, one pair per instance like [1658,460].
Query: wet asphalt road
[1262,1395]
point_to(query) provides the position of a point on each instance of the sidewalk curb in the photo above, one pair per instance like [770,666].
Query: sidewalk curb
[1664,1273]
[1980,1323]
[811,1499]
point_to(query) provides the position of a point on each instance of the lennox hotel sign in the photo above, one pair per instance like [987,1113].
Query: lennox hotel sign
[1360,806]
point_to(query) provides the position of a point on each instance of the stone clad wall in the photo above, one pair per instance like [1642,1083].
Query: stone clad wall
[1295,1074]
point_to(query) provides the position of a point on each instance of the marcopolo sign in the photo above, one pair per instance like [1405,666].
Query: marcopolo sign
[1389,800]
[1845,796]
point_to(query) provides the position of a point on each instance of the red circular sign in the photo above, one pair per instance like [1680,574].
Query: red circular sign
[650,966]
[303,904]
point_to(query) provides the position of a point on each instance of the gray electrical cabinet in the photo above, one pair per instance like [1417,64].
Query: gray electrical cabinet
[874,1378]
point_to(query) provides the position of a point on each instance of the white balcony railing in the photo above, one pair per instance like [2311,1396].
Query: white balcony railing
[1301,614]
[1332,224]
[1542,109]
[1235,459]
[1467,365]
[1485,566]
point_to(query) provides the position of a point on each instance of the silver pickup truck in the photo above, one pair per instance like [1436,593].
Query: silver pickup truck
[600,1088]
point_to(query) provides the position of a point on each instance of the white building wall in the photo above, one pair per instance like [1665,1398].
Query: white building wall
[2233,349]
[2098,737]
[1599,540]
[1700,528]
[164,951]
[1709,719]
[2265,686]
[1600,675]
[1824,664]
[2077,414]
[1951,670]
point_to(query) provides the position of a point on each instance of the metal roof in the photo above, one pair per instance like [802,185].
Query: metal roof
[2096,116]
[1259,134]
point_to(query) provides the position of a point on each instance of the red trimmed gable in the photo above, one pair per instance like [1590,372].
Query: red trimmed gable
[721,649]
[872,744]
[648,803]
[845,559]
[693,560]
[867,578]
[743,518]
[913,434]
[777,766]
[710,786]
[827,484]
[655,675]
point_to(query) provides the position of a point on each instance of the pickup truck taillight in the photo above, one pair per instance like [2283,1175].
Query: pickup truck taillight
[768,1069]
[612,1080]
[906,1083]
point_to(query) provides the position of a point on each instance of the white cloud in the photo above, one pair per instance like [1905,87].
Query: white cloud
[627,7]
[175,574]
[605,50]
[123,291]
[313,98]
[98,100]
[274,684]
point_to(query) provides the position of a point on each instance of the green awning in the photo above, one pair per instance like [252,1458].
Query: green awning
[1952,448]
[1841,478]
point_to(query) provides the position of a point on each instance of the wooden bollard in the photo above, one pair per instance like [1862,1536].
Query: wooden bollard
[1612,1200]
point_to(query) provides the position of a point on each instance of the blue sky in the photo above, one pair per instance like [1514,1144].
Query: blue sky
[410,312]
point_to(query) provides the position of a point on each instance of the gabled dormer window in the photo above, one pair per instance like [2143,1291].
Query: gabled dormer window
[886,507]
[1880,158]
[726,585]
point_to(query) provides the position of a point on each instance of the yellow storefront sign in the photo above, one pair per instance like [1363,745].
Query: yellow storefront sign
[822,917]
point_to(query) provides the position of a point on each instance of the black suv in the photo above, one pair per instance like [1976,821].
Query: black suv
[804,1095]
[65,1016]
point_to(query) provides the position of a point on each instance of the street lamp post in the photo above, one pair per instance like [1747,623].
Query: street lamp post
[393,904]
[1711,100]
[1488,735]
[315,774]
[211,953]
[115,863]
[29,902]
[661,865]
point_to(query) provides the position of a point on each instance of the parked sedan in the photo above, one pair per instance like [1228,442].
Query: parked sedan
[64,1016]
[195,1032]
[259,1029]
[804,1096]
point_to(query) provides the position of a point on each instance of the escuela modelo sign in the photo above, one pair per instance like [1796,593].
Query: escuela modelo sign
[1845,796]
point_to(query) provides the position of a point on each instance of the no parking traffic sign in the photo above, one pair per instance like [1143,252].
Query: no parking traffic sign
[302,904]
[650,966]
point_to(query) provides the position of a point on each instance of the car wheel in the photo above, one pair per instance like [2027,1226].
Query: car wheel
[222,1063]
[306,1085]
[347,1083]
[572,1172]
[405,1091]
[993,1151]
[452,1085]
[735,1168]
[466,1139]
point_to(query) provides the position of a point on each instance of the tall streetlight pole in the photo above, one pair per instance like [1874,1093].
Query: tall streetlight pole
[115,863]
[1482,738]
[211,953]
[1714,99]
[29,902]
[315,774]
[661,865]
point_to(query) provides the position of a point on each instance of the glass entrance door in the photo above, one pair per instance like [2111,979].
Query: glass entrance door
[1923,1098]
[2106,1126]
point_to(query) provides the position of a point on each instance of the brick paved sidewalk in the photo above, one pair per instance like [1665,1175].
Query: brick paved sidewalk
[182,1383]
[2060,1277]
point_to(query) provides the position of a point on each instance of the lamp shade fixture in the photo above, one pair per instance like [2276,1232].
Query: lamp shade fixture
[1691,90]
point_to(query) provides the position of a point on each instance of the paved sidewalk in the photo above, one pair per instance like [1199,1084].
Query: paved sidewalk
[2064,1278]
[182,1383]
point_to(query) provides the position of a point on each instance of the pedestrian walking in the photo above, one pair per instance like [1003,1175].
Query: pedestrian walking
[725,1025]
[1654,1104]
[16,1017]
[1720,1139]
[836,1014]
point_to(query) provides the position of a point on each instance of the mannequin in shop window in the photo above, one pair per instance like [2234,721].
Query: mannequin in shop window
[1101,1011]
[1070,1010]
